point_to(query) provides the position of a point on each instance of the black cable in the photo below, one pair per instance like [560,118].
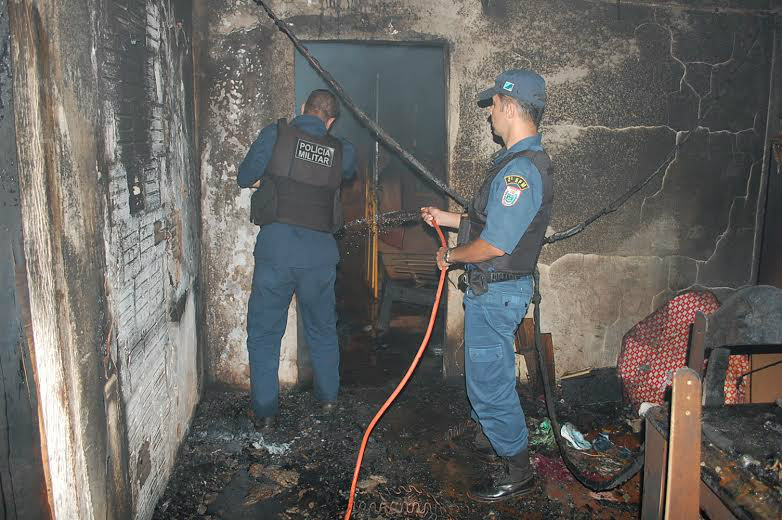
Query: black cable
[595,485]
[619,202]
[365,119]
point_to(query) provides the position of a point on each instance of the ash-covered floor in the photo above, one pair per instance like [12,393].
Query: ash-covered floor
[418,462]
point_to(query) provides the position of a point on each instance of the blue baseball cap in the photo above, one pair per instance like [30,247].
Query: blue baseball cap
[522,84]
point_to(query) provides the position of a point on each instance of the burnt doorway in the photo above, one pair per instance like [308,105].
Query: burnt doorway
[403,87]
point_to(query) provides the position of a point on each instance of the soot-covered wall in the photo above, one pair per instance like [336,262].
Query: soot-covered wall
[110,208]
[627,81]
[152,229]
[22,481]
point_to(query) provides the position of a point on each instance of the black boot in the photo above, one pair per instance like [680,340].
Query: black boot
[516,479]
[263,424]
[483,447]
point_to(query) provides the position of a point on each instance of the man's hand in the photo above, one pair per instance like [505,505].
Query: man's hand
[441,263]
[430,213]
[471,253]
[443,218]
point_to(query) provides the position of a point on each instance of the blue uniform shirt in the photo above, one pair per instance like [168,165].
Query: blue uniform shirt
[515,197]
[286,244]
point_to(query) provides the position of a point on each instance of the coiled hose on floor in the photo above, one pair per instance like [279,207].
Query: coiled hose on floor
[402,383]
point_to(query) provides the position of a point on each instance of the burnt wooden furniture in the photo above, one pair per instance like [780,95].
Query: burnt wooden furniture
[748,322]
[409,278]
[672,469]
[732,442]
[728,486]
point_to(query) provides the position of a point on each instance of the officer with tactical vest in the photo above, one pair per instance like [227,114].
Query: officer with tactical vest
[500,238]
[296,170]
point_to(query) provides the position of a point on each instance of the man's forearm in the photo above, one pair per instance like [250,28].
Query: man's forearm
[252,168]
[254,164]
[473,252]
[449,219]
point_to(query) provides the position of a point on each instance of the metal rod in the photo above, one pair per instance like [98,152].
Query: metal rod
[389,141]
[740,379]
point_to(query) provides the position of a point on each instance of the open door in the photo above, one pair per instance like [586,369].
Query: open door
[403,87]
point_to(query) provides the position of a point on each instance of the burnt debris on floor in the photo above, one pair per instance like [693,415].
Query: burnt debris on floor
[418,463]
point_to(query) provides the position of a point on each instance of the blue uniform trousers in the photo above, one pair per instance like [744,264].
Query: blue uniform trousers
[490,322]
[267,314]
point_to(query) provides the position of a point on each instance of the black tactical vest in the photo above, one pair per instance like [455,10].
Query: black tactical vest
[301,183]
[524,257]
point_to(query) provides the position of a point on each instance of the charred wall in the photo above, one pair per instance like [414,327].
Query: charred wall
[634,79]
[110,212]
[152,229]
[22,482]
[770,268]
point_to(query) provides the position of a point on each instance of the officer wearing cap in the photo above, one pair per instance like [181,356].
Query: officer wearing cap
[296,169]
[500,238]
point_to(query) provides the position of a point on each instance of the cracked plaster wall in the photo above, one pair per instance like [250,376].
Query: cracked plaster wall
[624,87]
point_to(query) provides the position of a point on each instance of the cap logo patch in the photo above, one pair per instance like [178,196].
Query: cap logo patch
[514,187]
[508,86]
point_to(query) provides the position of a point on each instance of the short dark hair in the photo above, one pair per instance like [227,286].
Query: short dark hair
[323,104]
[527,111]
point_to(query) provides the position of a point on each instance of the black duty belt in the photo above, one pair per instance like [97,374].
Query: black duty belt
[478,280]
[503,277]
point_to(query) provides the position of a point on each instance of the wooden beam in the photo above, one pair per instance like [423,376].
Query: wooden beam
[697,339]
[655,468]
[547,344]
[682,490]
[525,345]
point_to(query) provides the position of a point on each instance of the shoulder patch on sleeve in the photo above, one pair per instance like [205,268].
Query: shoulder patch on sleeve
[518,180]
[514,187]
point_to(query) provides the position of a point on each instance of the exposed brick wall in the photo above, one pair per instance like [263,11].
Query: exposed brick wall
[152,230]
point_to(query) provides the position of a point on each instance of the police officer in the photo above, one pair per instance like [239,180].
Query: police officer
[500,238]
[296,169]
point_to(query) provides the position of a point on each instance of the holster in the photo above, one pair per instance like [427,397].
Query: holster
[474,279]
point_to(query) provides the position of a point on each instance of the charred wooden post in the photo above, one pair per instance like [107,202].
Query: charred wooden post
[684,447]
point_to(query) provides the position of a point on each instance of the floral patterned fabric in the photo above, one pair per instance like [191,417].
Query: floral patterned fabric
[657,346]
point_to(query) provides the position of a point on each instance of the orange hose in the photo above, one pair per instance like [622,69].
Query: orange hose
[402,384]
